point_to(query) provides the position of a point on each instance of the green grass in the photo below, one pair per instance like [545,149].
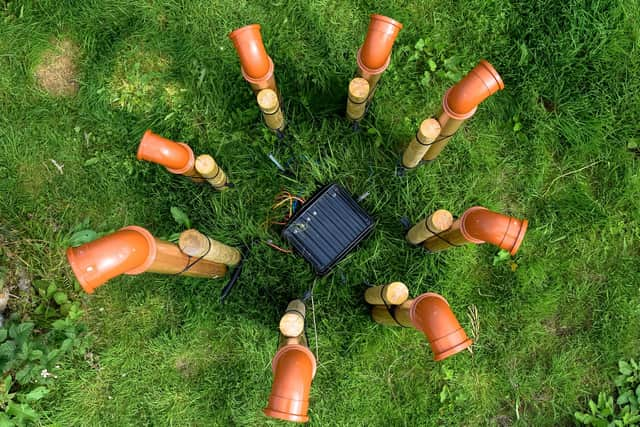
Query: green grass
[168,353]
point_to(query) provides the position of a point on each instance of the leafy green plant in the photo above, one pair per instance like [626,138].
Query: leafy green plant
[28,359]
[431,60]
[624,412]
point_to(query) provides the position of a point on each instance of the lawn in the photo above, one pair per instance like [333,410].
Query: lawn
[558,146]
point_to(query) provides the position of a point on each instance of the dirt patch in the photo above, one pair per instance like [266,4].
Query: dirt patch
[185,367]
[57,72]
[554,326]
[502,421]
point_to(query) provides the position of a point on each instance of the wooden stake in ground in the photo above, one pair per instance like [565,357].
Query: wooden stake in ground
[196,244]
[451,237]
[394,293]
[271,111]
[357,99]
[292,322]
[381,315]
[209,169]
[449,126]
[421,142]
[170,260]
[438,222]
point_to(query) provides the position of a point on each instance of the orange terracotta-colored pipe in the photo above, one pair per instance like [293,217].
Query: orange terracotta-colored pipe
[461,101]
[256,66]
[375,54]
[431,314]
[177,157]
[130,250]
[133,250]
[480,225]
[294,367]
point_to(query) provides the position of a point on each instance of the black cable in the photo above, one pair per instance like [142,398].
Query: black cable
[438,235]
[189,265]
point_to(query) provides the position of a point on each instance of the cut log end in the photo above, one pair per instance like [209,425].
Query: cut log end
[193,243]
[440,220]
[429,130]
[205,164]
[358,90]
[268,100]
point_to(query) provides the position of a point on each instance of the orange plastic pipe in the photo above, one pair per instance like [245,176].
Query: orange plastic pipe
[130,250]
[431,314]
[294,367]
[461,101]
[256,66]
[480,225]
[375,53]
[177,157]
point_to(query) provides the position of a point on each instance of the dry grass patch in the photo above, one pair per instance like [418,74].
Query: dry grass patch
[57,71]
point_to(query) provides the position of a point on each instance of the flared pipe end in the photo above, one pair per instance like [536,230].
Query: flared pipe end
[462,100]
[254,60]
[376,49]
[294,367]
[130,250]
[520,237]
[480,225]
[176,157]
[431,314]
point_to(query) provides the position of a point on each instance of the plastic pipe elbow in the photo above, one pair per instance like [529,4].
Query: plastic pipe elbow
[479,225]
[254,60]
[431,314]
[375,53]
[294,367]
[462,100]
[130,250]
[177,157]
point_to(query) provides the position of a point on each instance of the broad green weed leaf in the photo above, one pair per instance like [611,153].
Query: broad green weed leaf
[36,394]
[180,217]
[625,368]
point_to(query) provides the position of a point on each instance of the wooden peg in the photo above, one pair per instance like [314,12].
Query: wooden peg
[438,222]
[449,126]
[452,237]
[394,293]
[421,142]
[170,260]
[381,315]
[209,169]
[357,99]
[271,111]
[292,322]
[197,245]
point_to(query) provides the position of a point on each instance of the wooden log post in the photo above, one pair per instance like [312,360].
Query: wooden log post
[394,293]
[438,222]
[171,260]
[421,143]
[300,340]
[196,244]
[357,99]
[381,315]
[207,167]
[271,112]
[449,126]
[446,240]
[292,322]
